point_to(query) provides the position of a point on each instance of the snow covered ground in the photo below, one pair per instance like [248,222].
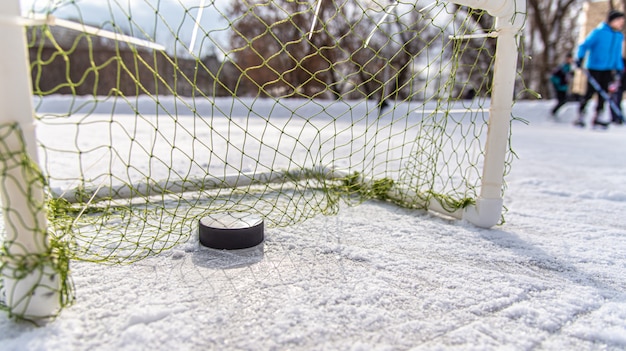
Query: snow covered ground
[379,277]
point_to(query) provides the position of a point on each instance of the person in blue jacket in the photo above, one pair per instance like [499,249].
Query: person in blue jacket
[602,51]
[560,78]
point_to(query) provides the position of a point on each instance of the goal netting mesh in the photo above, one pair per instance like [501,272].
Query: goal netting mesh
[286,109]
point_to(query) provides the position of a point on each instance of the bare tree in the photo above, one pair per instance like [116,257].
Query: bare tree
[272,52]
[551,33]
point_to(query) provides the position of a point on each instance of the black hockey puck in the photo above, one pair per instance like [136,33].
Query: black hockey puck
[231,230]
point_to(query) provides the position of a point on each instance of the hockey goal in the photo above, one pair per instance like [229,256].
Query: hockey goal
[148,117]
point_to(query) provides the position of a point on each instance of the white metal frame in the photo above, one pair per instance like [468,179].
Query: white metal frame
[510,19]
[36,294]
[26,222]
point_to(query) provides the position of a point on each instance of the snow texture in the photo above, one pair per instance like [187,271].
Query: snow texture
[380,277]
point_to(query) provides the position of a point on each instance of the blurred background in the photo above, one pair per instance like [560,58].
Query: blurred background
[227,51]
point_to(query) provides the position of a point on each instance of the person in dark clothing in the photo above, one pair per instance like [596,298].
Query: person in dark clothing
[382,105]
[560,79]
[617,92]
[603,51]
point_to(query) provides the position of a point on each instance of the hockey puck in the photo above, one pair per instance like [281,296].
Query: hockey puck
[230,230]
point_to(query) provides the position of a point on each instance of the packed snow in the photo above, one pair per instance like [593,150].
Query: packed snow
[380,277]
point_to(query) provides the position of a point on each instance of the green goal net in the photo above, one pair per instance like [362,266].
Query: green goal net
[150,114]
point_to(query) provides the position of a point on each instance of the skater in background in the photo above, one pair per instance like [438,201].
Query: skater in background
[602,49]
[561,78]
[617,92]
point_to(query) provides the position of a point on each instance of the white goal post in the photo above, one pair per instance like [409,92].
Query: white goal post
[31,284]
[510,18]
